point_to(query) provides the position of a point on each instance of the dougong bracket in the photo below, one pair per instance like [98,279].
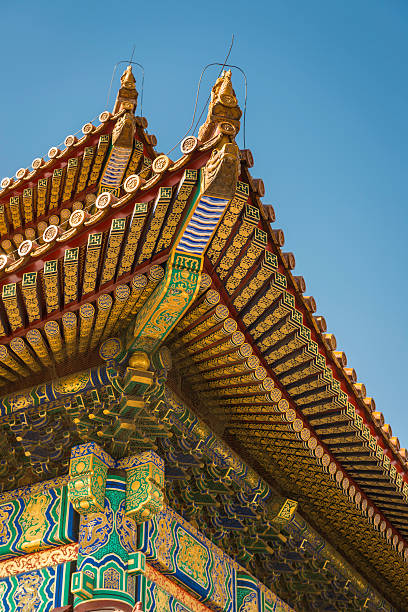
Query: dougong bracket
[144,485]
[88,470]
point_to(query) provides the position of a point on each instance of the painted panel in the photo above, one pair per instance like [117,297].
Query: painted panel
[159,590]
[273,603]
[248,594]
[176,548]
[158,599]
[40,518]
[253,596]
[39,590]
[51,391]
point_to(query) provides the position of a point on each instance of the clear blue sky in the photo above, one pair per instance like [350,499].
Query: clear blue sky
[326,122]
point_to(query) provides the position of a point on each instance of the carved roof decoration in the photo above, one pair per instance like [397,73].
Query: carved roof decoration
[85,243]
[60,183]
[127,94]
[223,111]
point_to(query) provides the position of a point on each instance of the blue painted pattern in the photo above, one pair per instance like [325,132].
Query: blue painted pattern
[202,224]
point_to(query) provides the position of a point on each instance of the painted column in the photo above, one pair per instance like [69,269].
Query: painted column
[112,497]
[106,539]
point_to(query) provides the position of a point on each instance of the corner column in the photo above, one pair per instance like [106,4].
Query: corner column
[112,497]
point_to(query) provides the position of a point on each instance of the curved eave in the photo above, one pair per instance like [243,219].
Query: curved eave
[113,276]
[71,185]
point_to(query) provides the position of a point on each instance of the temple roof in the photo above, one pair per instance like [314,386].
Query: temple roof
[86,236]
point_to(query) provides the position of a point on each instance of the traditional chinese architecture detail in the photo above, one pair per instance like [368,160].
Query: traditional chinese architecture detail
[109,507]
[39,518]
[181,283]
[175,548]
[105,539]
[223,112]
[144,485]
[178,431]
[34,561]
[39,590]
[248,594]
[88,469]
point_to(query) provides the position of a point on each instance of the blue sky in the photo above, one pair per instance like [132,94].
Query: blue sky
[326,122]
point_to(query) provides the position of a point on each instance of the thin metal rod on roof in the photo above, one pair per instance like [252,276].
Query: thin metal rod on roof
[113,76]
[190,127]
[245,101]
[201,76]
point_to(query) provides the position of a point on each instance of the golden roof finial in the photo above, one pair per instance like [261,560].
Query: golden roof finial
[223,111]
[127,94]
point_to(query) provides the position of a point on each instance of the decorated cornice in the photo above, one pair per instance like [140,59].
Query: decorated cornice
[95,242]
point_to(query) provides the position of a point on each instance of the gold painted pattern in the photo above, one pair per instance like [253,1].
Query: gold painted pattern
[160,208]
[274,290]
[213,318]
[56,183]
[53,334]
[99,158]
[93,253]
[71,263]
[195,354]
[232,254]
[184,192]
[85,168]
[39,487]
[122,293]
[15,211]
[69,324]
[115,239]
[31,296]
[252,253]
[264,272]
[28,204]
[39,347]
[70,177]
[42,189]
[156,273]
[38,560]
[104,304]
[86,317]
[228,220]
[7,359]
[235,354]
[138,284]
[2,329]
[211,299]
[228,327]
[174,589]
[3,220]
[135,229]
[135,159]
[51,285]
[20,348]
[11,304]
[146,168]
